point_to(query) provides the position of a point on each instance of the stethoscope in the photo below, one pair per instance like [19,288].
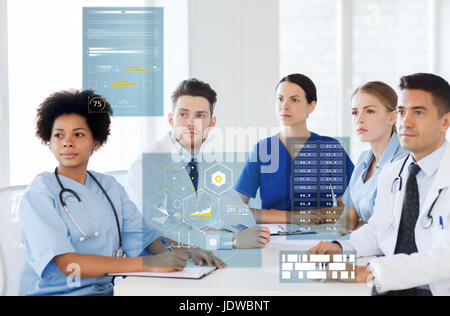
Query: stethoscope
[120,253]
[397,185]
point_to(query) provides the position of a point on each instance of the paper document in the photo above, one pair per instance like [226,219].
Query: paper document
[277,228]
[190,272]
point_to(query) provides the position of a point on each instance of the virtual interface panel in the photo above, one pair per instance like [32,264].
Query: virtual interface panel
[123,58]
[300,267]
[319,177]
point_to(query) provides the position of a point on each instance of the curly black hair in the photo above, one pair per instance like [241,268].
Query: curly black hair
[74,102]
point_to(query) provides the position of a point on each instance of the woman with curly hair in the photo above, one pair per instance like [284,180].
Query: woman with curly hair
[79,225]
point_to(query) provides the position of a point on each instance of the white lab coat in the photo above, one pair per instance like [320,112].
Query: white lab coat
[431,265]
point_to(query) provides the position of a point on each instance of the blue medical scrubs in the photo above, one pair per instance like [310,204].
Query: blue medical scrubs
[361,194]
[302,183]
[48,232]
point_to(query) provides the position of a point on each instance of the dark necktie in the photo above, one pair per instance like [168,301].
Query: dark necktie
[406,239]
[193,173]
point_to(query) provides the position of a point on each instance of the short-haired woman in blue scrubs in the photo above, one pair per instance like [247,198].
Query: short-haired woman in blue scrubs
[374,117]
[79,225]
[316,164]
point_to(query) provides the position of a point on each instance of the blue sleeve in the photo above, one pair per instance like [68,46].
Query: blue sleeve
[250,178]
[136,233]
[44,232]
[347,198]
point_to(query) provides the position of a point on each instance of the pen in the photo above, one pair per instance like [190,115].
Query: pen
[166,244]
[441,222]
[299,232]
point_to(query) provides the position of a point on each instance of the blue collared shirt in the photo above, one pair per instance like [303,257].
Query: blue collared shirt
[428,170]
[48,231]
[361,194]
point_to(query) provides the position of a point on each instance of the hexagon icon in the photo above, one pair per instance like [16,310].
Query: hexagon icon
[218,179]
[201,209]
[211,241]
[234,212]
[160,213]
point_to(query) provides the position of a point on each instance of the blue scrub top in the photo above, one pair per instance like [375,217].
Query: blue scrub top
[48,231]
[274,176]
[361,195]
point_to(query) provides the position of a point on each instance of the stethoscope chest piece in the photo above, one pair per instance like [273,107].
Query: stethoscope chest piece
[120,253]
[427,222]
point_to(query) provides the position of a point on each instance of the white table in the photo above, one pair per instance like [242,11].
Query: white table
[244,281]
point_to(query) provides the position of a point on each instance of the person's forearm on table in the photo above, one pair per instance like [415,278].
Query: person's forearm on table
[94,266]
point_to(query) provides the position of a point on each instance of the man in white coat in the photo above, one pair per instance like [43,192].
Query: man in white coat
[180,154]
[409,231]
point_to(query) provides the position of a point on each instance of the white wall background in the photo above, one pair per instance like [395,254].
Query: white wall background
[234,47]
[443,39]
[383,41]
[308,45]
[4,109]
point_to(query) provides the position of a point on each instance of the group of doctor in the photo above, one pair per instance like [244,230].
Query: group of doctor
[80,223]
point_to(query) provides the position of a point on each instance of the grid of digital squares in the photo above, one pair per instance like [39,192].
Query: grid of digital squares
[319,174]
[301,267]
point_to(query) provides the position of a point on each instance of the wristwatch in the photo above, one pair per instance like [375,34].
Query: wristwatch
[234,242]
